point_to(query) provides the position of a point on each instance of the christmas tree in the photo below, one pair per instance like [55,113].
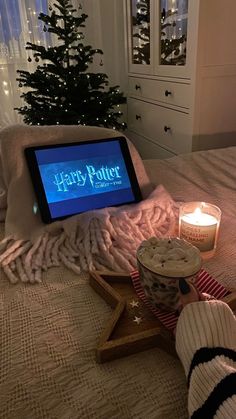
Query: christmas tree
[61,89]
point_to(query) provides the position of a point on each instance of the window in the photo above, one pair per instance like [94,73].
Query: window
[18,24]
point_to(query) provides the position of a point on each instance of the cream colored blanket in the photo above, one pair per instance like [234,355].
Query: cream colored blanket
[103,238]
[49,331]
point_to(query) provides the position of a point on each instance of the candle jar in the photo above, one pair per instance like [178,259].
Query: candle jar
[199,225]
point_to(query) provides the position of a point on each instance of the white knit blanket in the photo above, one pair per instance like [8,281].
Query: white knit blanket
[93,240]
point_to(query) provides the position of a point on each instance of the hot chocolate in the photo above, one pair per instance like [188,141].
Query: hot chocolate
[161,262]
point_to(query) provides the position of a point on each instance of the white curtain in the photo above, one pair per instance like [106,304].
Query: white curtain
[19,24]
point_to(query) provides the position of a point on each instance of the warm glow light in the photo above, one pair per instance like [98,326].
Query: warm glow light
[199,225]
[199,218]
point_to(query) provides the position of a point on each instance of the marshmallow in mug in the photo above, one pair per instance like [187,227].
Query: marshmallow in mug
[170,257]
[161,263]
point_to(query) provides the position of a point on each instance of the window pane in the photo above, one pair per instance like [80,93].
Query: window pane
[174,19]
[140,26]
[18,24]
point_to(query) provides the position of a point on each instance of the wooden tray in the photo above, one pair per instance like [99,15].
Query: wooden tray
[132,327]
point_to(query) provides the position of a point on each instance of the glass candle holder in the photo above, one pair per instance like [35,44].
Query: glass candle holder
[199,224]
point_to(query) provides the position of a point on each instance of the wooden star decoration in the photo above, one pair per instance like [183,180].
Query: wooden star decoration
[123,335]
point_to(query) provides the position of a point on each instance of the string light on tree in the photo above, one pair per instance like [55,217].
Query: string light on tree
[173,37]
[62,72]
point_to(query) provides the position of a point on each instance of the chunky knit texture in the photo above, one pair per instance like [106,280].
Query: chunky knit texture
[206,345]
[106,238]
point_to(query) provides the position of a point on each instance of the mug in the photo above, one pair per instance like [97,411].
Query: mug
[161,263]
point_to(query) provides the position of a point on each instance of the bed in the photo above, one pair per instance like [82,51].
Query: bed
[49,330]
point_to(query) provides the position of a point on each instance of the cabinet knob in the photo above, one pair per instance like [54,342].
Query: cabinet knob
[137,87]
[166,128]
[167,93]
[138,117]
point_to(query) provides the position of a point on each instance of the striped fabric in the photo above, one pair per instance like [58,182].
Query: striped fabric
[206,345]
[205,284]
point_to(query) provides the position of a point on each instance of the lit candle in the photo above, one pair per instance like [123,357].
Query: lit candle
[199,225]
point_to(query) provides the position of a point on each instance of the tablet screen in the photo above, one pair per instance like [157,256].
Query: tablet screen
[72,178]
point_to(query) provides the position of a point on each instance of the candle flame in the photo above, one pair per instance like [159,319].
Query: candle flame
[197,212]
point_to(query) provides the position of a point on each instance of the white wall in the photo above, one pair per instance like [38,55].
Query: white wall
[105,30]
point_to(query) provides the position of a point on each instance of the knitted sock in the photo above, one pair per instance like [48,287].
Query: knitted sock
[206,344]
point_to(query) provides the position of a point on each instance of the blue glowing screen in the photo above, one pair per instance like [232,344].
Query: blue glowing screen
[83,177]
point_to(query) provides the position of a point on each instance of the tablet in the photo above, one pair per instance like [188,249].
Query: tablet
[71,178]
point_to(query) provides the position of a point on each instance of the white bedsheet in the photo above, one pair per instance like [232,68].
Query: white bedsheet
[49,331]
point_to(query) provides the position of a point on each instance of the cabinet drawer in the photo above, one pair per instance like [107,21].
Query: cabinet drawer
[147,149]
[164,126]
[168,92]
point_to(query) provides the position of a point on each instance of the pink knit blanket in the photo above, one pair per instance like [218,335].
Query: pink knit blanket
[106,238]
